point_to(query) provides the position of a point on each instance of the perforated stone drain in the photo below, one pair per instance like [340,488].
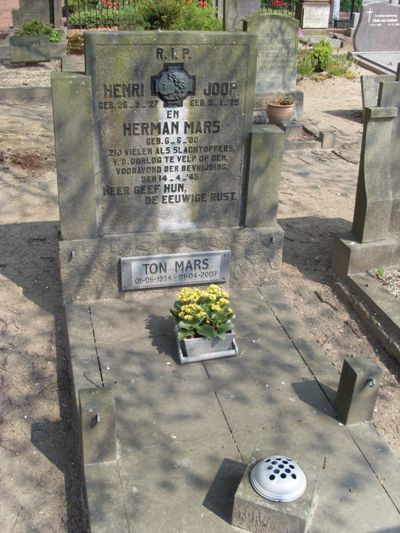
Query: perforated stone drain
[278,478]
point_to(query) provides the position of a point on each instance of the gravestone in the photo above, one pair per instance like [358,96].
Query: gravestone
[378,29]
[374,240]
[47,11]
[159,167]
[235,11]
[313,16]
[377,38]
[277,57]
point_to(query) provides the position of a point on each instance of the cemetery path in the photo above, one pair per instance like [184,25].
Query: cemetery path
[41,488]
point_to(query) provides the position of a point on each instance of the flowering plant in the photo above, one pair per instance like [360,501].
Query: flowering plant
[202,313]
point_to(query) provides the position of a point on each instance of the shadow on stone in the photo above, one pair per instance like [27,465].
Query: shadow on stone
[310,392]
[219,499]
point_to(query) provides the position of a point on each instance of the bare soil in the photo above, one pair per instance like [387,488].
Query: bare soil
[41,481]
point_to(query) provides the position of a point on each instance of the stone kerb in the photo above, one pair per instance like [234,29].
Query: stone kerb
[153,152]
[378,29]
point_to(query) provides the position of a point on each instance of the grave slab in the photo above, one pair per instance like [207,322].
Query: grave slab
[184,433]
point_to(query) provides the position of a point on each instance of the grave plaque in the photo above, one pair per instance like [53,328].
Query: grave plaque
[172,270]
[170,128]
[277,51]
[236,10]
[315,15]
[378,29]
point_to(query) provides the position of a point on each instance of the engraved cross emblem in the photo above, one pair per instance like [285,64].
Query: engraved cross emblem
[173,84]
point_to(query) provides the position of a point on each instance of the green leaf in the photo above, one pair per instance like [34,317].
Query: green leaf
[185,325]
[185,334]
[207,331]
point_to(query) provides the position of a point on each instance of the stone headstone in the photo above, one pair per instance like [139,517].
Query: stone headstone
[277,51]
[277,59]
[35,10]
[315,15]
[154,118]
[378,29]
[235,11]
[47,11]
[157,155]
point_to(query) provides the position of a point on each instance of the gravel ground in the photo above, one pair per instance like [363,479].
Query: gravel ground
[37,75]
[390,279]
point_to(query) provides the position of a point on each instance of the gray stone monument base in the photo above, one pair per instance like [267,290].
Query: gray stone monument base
[29,48]
[256,514]
[89,268]
[351,257]
[378,62]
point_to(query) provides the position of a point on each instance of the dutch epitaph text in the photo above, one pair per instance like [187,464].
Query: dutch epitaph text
[170,126]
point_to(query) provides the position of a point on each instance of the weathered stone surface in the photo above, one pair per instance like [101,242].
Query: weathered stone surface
[235,11]
[258,515]
[267,144]
[170,137]
[97,411]
[89,268]
[372,213]
[29,48]
[15,18]
[378,29]
[314,15]
[35,10]
[277,51]
[358,390]
[105,498]
[73,128]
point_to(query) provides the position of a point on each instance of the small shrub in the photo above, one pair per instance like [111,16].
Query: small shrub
[132,17]
[75,43]
[322,54]
[160,15]
[198,16]
[36,27]
[339,65]
[306,65]
[195,15]
[93,18]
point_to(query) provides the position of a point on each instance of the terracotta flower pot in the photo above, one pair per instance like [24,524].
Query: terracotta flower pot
[278,113]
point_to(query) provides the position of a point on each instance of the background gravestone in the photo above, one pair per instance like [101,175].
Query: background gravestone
[235,11]
[277,57]
[376,224]
[377,38]
[47,11]
[156,154]
[378,29]
[313,16]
